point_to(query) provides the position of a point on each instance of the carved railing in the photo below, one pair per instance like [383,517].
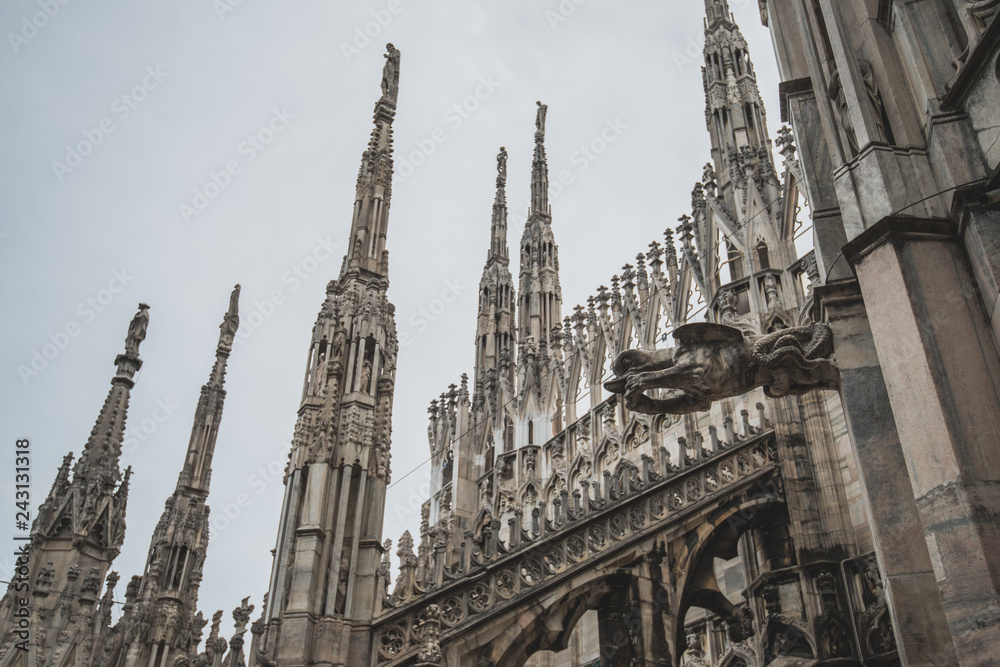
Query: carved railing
[493,576]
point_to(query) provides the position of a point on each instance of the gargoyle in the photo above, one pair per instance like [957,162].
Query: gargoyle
[714,361]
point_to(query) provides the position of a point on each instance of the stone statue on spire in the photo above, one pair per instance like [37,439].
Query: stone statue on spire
[540,117]
[502,164]
[137,330]
[390,74]
[231,322]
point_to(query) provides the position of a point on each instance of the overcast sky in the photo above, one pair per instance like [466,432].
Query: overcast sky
[116,115]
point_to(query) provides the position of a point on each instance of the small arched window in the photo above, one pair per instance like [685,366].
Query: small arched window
[762,257]
[735,261]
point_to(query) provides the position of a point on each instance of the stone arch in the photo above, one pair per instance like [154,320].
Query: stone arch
[600,367]
[553,486]
[577,386]
[788,635]
[582,470]
[762,254]
[529,498]
[627,336]
[636,434]
[717,536]
[547,623]
[737,656]
[608,455]
[774,322]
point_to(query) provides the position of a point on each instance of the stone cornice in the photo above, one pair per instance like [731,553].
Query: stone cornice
[896,229]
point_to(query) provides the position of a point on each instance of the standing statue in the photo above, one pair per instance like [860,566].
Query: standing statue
[839,99]
[137,330]
[771,292]
[715,361]
[231,322]
[875,101]
[366,376]
[502,164]
[540,117]
[390,74]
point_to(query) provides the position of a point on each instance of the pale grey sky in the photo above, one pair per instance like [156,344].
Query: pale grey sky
[161,96]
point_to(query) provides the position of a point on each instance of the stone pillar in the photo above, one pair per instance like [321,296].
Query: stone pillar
[942,375]
[632,620]
[613,620]
[655,624]
[921,630]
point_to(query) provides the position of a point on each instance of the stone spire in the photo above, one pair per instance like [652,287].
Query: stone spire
[539,166]
[96,472]
[539,293]
[329,545]
[716,10]
[197,471]
[79,528]
[168,593]
[99,462]
[369,223]
[737,221]
[734,112]
[495,322]
[498,228]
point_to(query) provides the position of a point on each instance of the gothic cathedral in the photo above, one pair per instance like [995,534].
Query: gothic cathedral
[736,453]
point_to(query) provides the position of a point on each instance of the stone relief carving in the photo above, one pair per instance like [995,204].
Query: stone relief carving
[714,361]
[875,100]
[771,292]
[839,99]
